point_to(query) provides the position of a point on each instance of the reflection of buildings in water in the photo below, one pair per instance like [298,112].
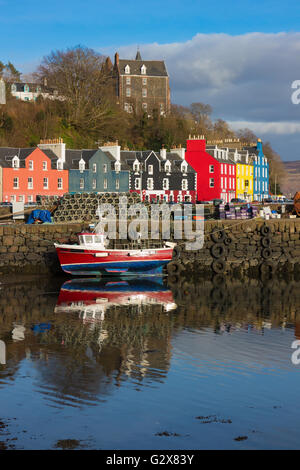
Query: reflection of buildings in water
[2,353]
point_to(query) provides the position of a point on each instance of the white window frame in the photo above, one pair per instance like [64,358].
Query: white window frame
[30,198]
[45,165]
[143,69]
[150,169]
[166,183]
[30,183]
[137,183]
[15,162]
[144,92]
[81,183]
[127,69]
[211,182]
[105,183]
[211,168]
[150,183]
[30,165]
[184,184]
[94,167]
[16,183]
[117,183]
[128,80]
[94,184]
[59,183]
[128,92]
[145,81]
[45,183]
[104,168]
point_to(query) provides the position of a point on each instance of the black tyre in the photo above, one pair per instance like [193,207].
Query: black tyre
[266,253]
[218,266]
[266,242]
[265,230]
[218,236]
[228,241]
[174,267]
[218,250]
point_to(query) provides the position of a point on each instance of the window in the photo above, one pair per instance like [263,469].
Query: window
[211,182]
[104,168]
[59,183]
[81,183]
[184,167]
[127,69]
[165,183]
[94,167]
[44,165]
[117,183]
[30,183]
[16,183]
[15,162]
[150,169]
[144,92]
[144,81]
[128,80]
[136,167]
[30,198]
[246,183]
[144,106]
[211,168]
[105,183]
[143,70]
[12,198]
[30,164]
[233,183]
[117,166]
[128,92]
[137,183]
[222,185]
[128,108]
[168,167]
[150,183]
[225,169]
[94,184]
[45,183]
[184,184]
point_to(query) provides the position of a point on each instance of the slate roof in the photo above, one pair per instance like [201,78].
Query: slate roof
[8,153]
[33,87]
[130,156]
[73,156]
[154,68]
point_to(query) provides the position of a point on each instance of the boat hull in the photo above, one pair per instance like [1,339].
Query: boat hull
[96,262]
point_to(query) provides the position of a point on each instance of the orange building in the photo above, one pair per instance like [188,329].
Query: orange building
[26,173]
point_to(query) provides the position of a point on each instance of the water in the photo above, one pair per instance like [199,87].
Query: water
[143,365]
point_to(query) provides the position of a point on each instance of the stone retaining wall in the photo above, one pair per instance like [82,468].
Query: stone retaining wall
[30,248]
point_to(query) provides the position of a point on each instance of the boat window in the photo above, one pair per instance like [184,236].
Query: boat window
[98,239]
[89,239]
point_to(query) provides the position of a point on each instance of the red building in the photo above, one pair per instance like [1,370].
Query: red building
[26,173]
[215,170]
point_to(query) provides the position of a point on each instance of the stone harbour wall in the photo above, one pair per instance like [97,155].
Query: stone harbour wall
[254,245]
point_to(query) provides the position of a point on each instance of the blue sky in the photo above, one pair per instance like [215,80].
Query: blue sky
[209,48]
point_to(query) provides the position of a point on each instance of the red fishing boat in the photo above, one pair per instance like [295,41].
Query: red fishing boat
[92,256]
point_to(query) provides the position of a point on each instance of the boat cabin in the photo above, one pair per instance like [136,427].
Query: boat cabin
[92,239]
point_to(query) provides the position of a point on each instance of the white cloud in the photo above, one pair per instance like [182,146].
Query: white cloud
[280,128]
[245,77]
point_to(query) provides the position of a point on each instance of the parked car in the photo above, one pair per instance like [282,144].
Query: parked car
[216,202]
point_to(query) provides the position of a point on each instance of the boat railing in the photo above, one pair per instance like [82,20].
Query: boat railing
[134,244]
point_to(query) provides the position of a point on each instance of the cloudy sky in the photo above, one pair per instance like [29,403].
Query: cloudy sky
[241,57]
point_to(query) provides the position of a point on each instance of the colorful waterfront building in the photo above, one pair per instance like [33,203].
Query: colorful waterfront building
[163,175]
[216,172]
[260,173]
[244,173]
[28,172]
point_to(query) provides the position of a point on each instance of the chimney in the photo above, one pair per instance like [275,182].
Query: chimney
[113,148]
[117,59]
[163,153]
[180,151]
[56,145]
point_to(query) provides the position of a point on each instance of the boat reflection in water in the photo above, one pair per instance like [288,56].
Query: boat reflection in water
[92,298]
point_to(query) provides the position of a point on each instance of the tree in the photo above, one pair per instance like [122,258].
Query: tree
[86,86]
[12,74]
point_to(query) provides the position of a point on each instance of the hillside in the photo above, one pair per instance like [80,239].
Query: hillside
[291,182]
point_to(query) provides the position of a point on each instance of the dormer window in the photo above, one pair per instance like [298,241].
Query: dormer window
[168,167]
[15,162]
[26,88]
[143,70]
[150,169]
[184,167]
[136,167]
[38,89]
[81,165]
[117,167]
[127,69]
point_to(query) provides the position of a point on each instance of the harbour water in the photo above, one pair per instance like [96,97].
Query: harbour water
[118,364]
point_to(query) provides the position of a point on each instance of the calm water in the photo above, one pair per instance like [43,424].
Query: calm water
[143,365]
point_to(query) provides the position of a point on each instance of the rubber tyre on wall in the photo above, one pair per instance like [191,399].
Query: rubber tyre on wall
[174,267]
[218,266]
[266,253]
[218,236]
[265,230]
[218,250]
[266,242]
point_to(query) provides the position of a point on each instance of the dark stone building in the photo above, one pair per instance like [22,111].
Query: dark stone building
[142,85]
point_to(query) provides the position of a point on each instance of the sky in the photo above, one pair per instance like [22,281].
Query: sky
[239,56]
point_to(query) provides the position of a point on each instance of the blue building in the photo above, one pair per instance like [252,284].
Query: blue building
[98,170]
[260,174]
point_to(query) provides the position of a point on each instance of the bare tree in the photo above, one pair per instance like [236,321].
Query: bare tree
[84,83]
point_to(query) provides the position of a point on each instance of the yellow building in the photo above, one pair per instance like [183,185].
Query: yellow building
[244,174]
